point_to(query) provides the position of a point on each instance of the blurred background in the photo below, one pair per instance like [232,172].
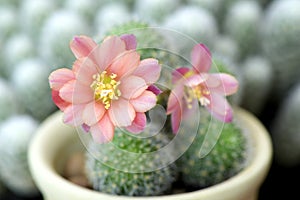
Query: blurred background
[256,40]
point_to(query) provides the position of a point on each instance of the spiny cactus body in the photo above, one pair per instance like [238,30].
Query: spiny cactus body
[285,130]
[16,133]
[115,172]
[30,81]
[226,158]
[280,41]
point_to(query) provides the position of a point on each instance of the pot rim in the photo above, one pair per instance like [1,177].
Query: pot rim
[254,172]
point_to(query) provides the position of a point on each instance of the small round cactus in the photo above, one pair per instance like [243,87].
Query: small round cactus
[86,8]
[155,10]
[280,41]
[227,46]
[130,178]
[258,78]
[226,158]
[242,23]
[285,130]
[203,30]
[56,34]
[8,21]
[8,101]
[30,81]
[110,15]
[16,133]
[17,48]
[33,14]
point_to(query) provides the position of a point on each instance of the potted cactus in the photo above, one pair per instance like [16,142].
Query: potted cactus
[146,128]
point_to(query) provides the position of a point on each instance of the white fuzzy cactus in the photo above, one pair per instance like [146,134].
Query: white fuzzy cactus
[155,10]
[30,80]
[57,32]
[33,14]
[285,130]
[242,23]
[85,8]
[258,77]
[16,133]
[110,15]
[194,24]
[8,101]
[8,21]
[227,46]
[280,39]
[17,48]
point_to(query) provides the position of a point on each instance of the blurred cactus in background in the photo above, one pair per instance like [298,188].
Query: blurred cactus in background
[258,79]
[255,40]
[280,41]
[286,130]
[16,133]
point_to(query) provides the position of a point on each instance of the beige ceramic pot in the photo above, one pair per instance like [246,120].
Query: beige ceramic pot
[55,140]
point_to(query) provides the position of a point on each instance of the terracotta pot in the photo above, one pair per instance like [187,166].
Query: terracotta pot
[55,140]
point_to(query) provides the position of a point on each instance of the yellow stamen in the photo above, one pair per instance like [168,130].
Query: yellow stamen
[105,88]
[198,92]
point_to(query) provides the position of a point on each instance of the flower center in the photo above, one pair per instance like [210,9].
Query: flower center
[198,92]
[105,88]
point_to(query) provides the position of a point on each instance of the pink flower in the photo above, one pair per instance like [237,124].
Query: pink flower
[196,85]
[107,86]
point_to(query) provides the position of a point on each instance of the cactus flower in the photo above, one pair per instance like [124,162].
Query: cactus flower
[107,86]
[193,86]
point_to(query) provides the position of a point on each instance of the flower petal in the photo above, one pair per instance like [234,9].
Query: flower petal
[124,64]
[73,114]
[82,46]
[130,41]
[59,102]
[132,87]
[138,124]
[76,93]
[149,70]
[103,131]
[220,108]
[87,68]
[201,58]
[60,77]
[121,113]
[179,73]
[144,102]
[154,89]
[176,119]
[92,113]
[175,99]
[195,79]
[104,54]
[223,84]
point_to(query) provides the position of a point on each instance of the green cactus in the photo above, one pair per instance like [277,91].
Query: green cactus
[102,173]
[226,159]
